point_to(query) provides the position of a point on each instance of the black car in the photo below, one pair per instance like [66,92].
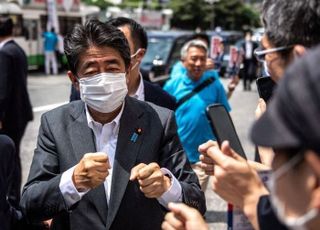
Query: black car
[162,53]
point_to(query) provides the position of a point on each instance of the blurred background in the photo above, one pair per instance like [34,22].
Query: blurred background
[169,24]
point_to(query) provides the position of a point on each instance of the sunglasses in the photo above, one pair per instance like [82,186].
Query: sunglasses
[261,53]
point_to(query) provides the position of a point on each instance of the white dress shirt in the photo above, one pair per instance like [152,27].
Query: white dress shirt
[249,47]
[139,94]
[106,137]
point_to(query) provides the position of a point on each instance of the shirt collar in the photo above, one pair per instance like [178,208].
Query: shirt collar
[5,42]
[139,94]
[94,124]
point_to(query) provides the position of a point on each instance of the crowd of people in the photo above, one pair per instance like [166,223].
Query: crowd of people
[127,154]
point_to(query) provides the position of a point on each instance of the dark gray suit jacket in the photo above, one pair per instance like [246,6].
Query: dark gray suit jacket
[64,137]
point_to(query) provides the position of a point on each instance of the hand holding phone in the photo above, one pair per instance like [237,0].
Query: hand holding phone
[223,127]
[265,86]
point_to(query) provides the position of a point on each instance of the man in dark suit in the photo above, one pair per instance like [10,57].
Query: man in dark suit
[15,107]
[250,63]
[8,215]
[108,161]
[137,87]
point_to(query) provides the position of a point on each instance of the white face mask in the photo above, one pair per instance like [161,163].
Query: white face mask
[137,63]
[298,223]
[104,92]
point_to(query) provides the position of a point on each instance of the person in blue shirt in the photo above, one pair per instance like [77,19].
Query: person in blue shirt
[213,67]
[193,125]
[50,45]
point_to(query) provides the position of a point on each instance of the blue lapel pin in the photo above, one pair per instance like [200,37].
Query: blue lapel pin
[136,134]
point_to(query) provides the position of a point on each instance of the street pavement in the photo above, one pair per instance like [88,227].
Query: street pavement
[49,92]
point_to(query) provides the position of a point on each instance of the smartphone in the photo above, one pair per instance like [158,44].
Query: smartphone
[223,127]
[265,86]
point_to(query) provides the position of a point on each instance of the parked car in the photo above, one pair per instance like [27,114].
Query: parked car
[163,51]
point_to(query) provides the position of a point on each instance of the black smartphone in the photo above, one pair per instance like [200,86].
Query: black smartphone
[265,86]
[223,127]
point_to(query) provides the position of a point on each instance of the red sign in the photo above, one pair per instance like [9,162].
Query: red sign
[216,48]
[42,4]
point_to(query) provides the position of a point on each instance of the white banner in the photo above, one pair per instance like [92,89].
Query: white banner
[52,16]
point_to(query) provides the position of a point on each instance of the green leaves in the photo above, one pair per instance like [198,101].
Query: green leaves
[229,14]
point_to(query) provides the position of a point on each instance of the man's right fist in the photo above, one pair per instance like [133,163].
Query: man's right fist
[91,171]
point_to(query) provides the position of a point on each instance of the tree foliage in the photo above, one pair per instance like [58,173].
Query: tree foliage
[229,14]
[103,4]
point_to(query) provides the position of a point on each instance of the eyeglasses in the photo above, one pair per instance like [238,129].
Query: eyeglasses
[260,53]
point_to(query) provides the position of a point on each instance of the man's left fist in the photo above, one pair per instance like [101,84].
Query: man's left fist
[153,183]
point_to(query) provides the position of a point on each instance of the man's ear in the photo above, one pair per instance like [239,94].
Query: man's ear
[141,54]
[73,79]
[299,50]
[313,160]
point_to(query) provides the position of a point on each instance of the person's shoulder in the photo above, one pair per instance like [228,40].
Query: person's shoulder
[162,112]
[156,89]
[173,82]
[11,48]
[211,74]
[152,110]
[63,113]
[154,93]
[6,142]
[9,45]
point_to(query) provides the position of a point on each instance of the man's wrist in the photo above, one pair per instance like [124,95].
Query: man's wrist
[251,203]
[80,188]
[167,181]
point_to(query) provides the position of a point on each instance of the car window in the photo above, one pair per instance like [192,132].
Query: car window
[175,56]
[158,49]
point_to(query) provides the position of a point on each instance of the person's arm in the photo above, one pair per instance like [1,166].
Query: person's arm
[46,194]
[183,217]
[41,197]
[156,182]
[5,83]
[173,158]
[232,86]
[234,180]
[267,218]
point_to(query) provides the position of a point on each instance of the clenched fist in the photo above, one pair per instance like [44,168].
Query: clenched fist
[91,171]
[153,183]
[182,217]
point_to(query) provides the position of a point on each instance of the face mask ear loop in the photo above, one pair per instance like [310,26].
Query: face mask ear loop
[136,53]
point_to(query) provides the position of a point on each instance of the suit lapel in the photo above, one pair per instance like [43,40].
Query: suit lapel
[81,135]
[82,139]
[126,154]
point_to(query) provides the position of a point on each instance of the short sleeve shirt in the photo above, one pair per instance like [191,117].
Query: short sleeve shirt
[193,126]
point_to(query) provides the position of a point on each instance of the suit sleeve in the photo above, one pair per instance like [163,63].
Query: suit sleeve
[5,83]
[266,216]
[41,198]
[175,160]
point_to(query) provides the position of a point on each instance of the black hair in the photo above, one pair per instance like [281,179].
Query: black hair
[138,34]
[292,22]
[6,26]
[94,33]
